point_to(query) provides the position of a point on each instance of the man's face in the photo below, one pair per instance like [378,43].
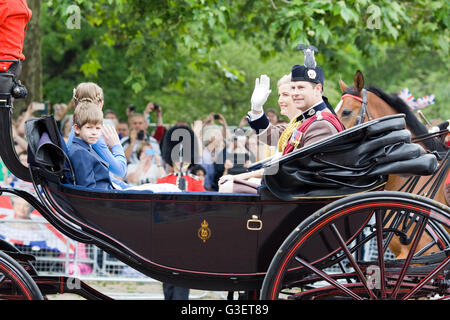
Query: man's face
[122,129]
[304,94]
[139,123]
[89,133]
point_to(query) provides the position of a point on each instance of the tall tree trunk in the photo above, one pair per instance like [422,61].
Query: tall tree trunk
[31,75]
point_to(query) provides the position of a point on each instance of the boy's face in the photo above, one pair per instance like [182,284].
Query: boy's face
[89,133]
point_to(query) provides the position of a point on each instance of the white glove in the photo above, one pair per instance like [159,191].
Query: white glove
[433,129]
[261,92]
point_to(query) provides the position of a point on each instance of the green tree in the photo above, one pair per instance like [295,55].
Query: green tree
[197,56]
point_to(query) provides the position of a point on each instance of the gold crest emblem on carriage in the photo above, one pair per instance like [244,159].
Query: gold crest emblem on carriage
[204,232]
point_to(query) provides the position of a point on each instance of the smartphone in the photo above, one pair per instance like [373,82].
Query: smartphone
[109,122]
[156,106]
[216,117]
[40,107]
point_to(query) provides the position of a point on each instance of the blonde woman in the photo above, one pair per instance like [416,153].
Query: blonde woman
[248,182]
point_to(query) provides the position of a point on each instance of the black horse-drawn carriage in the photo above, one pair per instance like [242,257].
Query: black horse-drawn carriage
[303,236]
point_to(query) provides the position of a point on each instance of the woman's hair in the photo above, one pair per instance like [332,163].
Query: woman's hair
[284,80]
[87,92]
[87,112]
[140,148]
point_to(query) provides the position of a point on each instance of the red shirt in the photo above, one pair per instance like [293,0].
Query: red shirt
[193,184]
[159,133]
[14,17]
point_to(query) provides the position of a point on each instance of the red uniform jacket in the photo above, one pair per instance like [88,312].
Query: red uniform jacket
[299,134]
[193,184]
[14,17]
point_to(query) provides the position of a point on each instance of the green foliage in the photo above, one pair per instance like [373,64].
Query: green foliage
[200,56]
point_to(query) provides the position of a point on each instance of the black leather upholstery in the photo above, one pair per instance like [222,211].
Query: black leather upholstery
[351,161]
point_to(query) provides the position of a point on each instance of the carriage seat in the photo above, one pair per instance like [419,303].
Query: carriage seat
[47,153]
[354,160]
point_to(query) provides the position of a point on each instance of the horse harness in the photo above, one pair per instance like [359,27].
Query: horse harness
[363,111]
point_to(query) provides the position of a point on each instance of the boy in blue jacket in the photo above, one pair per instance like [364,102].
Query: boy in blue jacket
[90,170]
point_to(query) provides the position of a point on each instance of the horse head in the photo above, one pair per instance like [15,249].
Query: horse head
[353,107]
[359,104]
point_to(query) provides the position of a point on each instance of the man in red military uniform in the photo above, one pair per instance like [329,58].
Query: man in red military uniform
[315,119]
[14,17]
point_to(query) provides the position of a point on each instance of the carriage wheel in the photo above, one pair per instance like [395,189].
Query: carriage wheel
[341,251]
[15,282]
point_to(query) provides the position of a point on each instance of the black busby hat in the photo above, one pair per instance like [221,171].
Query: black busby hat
[310,71]
[179,145]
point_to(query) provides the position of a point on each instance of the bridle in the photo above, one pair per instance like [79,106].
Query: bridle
[363,111]
[411,182]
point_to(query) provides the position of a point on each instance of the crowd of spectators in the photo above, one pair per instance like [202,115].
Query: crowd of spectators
[223,149]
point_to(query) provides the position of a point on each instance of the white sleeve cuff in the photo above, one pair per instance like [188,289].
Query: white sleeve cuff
[254,116]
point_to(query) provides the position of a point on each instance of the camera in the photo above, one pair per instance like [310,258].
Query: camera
[140,135]
[19,91]
[132,107]
[216,116]
[10,87]
[156,106]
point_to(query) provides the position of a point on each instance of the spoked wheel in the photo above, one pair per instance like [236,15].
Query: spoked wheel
[341,251]
[15,282]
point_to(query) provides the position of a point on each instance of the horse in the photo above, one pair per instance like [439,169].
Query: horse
[359,104]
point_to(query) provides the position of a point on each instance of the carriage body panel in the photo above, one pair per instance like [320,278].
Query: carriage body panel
[201,240]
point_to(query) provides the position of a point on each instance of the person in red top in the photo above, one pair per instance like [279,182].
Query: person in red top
[180,159]
[14,17]
[192,183]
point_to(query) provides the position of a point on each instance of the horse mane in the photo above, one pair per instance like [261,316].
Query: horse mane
[412,122]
